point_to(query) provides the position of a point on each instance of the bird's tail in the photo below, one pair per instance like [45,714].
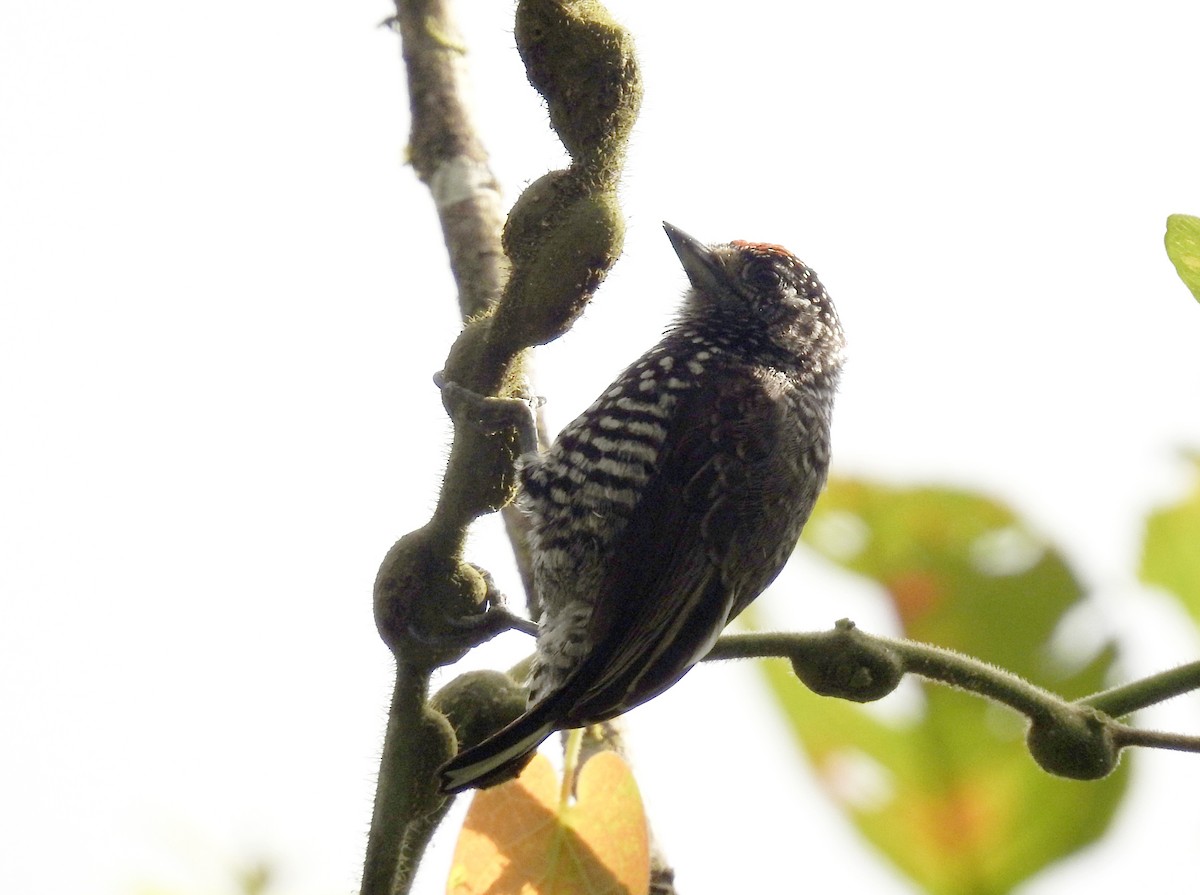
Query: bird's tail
[502,755]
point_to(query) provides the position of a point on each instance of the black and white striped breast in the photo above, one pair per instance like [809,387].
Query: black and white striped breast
[582,490]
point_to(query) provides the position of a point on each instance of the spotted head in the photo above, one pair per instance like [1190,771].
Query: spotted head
[763,295]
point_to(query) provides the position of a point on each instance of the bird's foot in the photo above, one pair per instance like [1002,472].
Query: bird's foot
[495,619]
[486,625]
[490,414]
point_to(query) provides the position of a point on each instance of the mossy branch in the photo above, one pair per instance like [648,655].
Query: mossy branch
[519,285]
[1080,739]
[562,236]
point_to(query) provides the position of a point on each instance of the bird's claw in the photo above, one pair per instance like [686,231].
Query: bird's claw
[490,414]
[496,617]
[491,622]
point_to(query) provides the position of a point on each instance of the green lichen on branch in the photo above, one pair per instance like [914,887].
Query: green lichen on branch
[583,63]
[563,234]
[407,803]
[479,475]
[566,230]
[418,588]
[478,703]
[562,237]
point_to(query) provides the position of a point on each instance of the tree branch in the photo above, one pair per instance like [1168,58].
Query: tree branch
[447,154]
[559,241]
[1080,739]
[1120,701]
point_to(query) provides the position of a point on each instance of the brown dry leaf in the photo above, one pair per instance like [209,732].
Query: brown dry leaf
[515,841]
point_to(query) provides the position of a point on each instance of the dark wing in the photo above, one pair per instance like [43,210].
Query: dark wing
[713,528]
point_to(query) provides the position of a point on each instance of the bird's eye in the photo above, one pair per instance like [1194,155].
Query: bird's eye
[762,277]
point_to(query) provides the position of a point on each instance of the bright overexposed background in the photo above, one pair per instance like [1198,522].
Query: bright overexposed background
[222,295]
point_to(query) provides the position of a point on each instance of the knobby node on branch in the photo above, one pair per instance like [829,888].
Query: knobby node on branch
[519,287]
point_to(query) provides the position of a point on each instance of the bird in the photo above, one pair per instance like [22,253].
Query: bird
[675,499]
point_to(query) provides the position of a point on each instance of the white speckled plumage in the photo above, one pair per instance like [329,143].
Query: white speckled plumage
[674,499]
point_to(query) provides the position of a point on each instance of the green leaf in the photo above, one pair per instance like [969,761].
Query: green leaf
[951,796]
[1183,248]
[1171,551]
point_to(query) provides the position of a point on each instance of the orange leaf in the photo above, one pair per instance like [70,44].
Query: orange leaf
[518,840]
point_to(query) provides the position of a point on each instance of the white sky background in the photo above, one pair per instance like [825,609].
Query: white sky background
[223,297]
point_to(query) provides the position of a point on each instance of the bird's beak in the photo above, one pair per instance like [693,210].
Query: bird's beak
[698,260]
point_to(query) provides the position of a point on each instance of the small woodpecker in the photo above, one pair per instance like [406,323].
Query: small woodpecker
[676,498]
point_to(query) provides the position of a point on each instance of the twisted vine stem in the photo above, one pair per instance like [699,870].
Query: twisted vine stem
[522,281]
